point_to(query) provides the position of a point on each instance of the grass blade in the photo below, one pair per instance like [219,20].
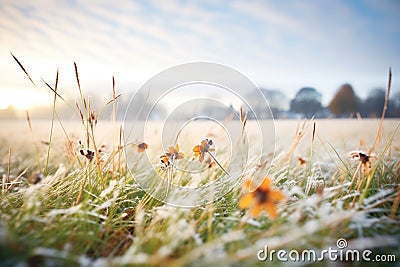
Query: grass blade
[23,69]
[54,90]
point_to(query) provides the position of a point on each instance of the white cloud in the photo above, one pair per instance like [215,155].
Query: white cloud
[275,44]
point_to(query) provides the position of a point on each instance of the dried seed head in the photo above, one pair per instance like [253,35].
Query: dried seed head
[35,178]
[86,152]
[301,161]
[92,118]
[142,147]
[365,160]
[165,163]
[359,155]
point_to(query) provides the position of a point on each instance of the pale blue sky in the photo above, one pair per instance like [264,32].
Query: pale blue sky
[278,44]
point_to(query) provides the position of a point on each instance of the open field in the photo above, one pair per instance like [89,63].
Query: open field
[60,208]
[343,134]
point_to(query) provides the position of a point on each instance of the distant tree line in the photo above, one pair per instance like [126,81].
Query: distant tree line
[306,103]
[345,103]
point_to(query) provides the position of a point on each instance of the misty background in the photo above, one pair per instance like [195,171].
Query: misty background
[301,53]
[305,104]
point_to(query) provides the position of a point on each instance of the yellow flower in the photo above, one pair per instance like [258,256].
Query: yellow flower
[203,148]
[174,153]
[264,197]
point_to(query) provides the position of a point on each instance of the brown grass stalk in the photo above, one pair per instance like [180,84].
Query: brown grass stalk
[377,139]
[300,131]
[23,69]
[113,118]
[311,155]
[379,132]
[52,124]
[8,167]
[120,147]
[28,119]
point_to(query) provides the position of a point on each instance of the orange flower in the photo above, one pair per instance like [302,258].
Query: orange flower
[165,163]
[264,197]
[174,153]
[203,148]
[142,147]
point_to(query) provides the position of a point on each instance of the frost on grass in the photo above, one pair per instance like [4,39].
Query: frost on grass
[116,223]
[69,211]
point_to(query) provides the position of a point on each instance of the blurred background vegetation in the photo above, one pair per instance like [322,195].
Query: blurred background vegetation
[306,103]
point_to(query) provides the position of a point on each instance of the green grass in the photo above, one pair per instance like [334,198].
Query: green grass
[116,223]
[93,213]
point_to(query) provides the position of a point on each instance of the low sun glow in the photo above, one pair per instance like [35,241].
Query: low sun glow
[23,99]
